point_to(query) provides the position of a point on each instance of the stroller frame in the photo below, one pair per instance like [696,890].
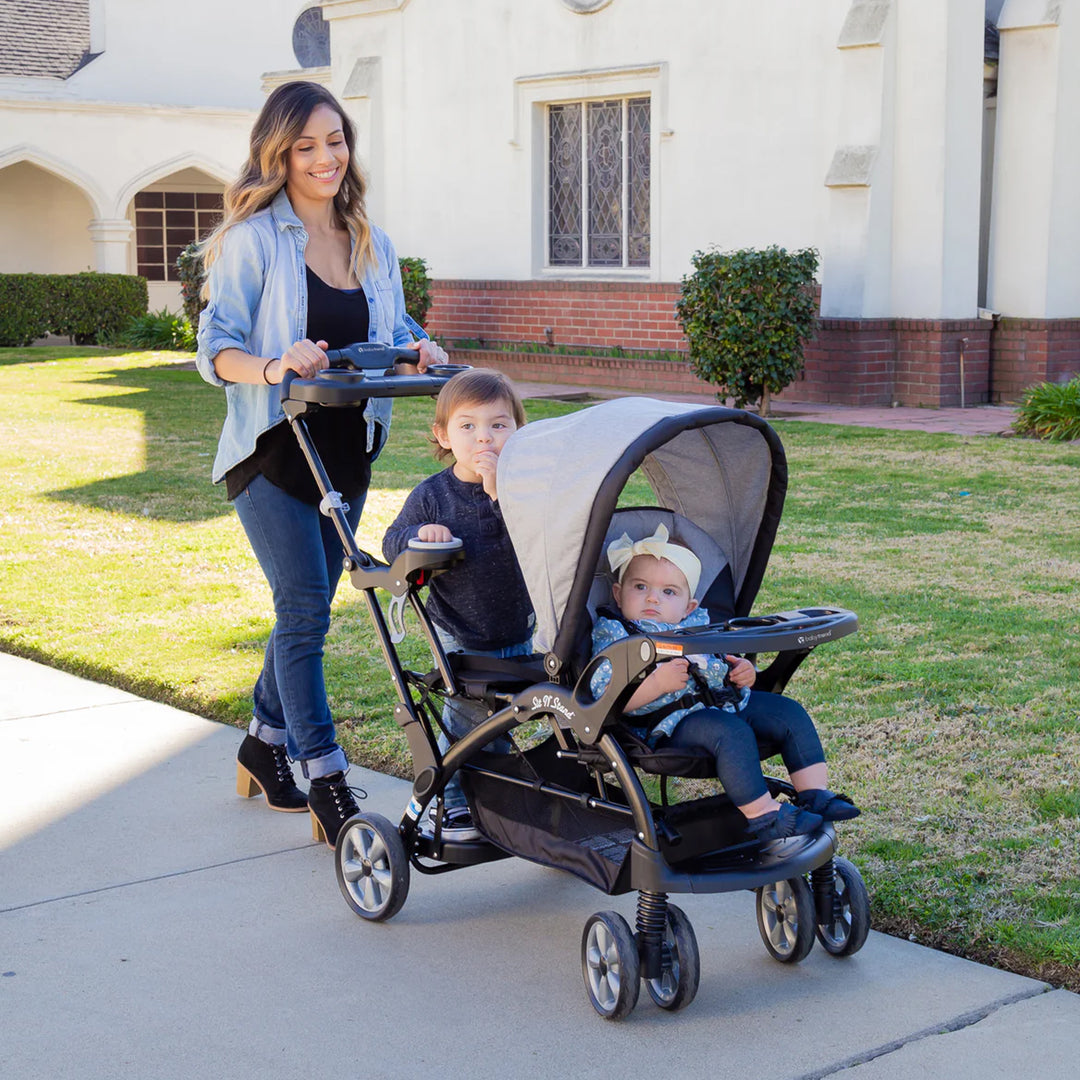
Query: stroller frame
[667,848]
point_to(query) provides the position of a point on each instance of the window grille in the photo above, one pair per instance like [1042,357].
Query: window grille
[598,183]
[165,223]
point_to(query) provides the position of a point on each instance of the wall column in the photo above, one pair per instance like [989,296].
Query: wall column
[855,263]
[937,171]
[1035,218]
[111,238]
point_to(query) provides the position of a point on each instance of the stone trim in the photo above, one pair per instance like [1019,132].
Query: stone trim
[864,24]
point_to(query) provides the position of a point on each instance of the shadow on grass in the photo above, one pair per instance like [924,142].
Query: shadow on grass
[181,417]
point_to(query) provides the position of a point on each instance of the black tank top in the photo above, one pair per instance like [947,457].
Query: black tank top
[339,317]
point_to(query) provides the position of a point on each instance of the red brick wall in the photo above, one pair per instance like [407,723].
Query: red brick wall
[591,313]
[879,361]
[1027,351]
[647,377]
[848,361]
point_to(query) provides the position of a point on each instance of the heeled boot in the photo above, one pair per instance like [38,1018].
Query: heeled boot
[265,768]
[331,802]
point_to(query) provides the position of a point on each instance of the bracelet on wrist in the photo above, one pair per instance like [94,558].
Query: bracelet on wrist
[266,367]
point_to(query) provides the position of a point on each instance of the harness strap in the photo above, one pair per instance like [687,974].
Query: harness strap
[702,693]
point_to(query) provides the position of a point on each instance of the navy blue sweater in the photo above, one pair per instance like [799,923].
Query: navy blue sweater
[483,601]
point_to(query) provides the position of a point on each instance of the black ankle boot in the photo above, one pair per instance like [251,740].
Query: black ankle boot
[331,803]
[262,767]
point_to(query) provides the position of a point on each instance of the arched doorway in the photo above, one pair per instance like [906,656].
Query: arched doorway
[44,221]
[168,215]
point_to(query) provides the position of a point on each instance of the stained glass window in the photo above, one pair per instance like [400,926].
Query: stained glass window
[598,183]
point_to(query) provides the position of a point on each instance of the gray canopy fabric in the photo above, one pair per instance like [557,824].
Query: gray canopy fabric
[550,473]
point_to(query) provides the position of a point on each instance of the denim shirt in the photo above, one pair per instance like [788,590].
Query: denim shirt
[258,304]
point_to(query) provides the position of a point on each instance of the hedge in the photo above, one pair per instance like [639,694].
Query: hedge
[86,307]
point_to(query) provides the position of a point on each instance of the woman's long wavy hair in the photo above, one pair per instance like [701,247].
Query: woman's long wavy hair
[280,123]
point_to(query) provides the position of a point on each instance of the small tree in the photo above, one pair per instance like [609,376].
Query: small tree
[747,315]
[189,265]
[415,284]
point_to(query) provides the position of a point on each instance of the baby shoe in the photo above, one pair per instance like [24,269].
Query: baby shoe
[789,820]
[831,806]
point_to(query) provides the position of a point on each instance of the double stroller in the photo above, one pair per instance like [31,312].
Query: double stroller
[578,791]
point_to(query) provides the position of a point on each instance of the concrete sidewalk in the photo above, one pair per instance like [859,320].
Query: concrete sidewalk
[153,924]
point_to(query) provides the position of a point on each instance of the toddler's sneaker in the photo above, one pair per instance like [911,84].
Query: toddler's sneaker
[779,824]
[830,805]
[457,824]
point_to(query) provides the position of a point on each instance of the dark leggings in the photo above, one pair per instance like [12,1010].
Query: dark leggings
[770,724]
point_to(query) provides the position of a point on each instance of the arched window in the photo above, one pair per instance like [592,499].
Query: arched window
[311,38]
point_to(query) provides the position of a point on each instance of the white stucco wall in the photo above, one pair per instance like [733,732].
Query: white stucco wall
[754,105]
[750,105]
[44,223]
[455,135]
[198,52]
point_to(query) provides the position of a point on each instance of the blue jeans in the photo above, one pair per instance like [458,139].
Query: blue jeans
[740,741]
[460,716]
[301,555]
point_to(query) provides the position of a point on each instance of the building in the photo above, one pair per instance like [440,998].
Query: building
[558,162]
[121,122]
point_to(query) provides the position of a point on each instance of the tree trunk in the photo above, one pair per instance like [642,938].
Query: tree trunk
[764,406]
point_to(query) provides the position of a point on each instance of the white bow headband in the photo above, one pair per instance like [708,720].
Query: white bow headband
[621,552]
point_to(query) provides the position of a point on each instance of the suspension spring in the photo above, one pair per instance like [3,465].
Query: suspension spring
[651,927]
[823,884]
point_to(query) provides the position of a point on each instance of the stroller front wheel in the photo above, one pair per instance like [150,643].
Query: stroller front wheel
[677,985]
[787,919]
[843,930]
[610,965]
[372,867]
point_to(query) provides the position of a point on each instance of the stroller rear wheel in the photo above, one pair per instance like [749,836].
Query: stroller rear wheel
[843,930]
[786,919]
[677,985]
[372,867]
[610,965]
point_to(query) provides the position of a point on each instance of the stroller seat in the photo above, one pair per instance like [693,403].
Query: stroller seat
[490,678]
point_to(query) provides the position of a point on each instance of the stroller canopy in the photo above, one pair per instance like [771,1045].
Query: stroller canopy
[559,482]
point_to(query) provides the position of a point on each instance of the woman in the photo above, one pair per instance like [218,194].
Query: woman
[295,268]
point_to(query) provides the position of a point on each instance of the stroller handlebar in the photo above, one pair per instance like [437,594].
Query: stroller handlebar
[367,369]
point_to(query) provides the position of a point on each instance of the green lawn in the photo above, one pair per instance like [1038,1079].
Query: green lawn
[953,717]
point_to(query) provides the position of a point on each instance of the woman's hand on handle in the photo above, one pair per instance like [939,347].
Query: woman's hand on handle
[429,353]
[307,358]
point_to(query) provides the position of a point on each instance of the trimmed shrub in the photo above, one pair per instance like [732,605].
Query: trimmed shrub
[88,307]
[24,308]
[94,308]
[1050,411]
[159,330]
[415,283]
[747,315]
